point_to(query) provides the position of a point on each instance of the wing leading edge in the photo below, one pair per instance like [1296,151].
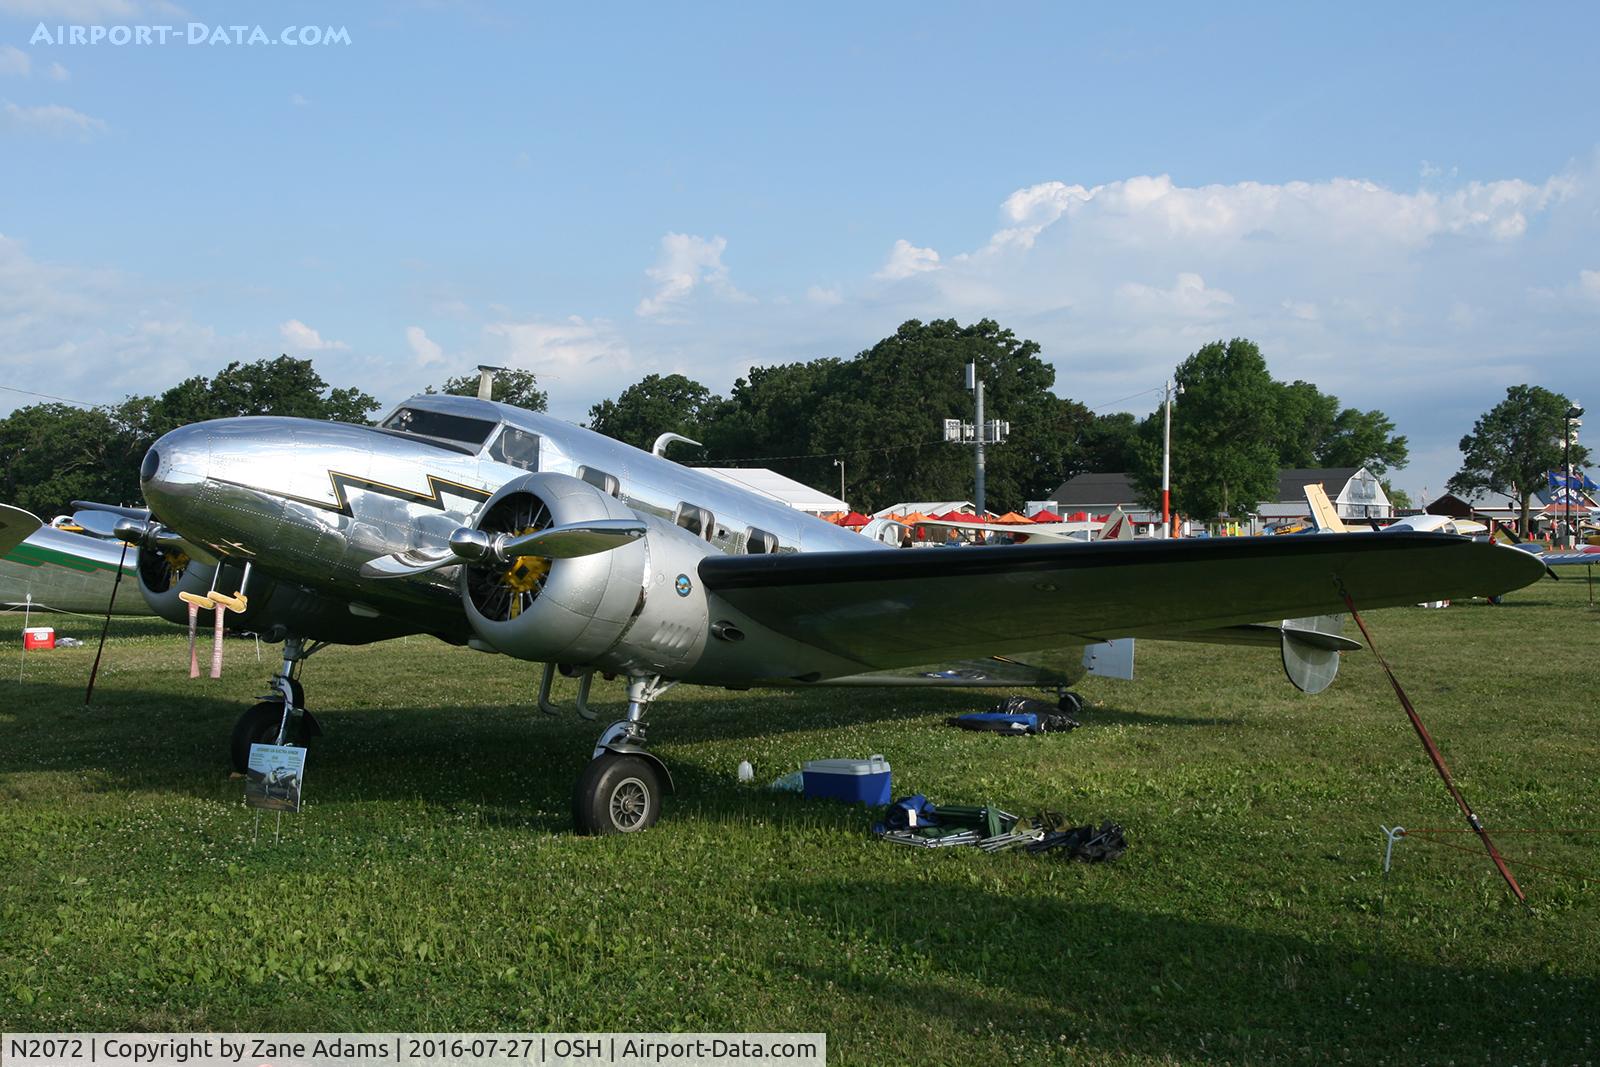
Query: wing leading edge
[904,609]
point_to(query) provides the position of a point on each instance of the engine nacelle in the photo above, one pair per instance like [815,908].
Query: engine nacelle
[623,610]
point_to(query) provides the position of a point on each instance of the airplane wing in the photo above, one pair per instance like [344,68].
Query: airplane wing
[15,527]
[903,609]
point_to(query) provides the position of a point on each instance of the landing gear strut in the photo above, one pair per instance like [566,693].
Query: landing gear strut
[620,791]
[281,718]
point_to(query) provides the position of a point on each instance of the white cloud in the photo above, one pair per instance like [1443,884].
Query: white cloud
[1589,283]
[50,118]
[97,335]
[906,259]
[302,338]
[58,73]
[827,296]
[14,62]
[583,354]
[299,101]
[1188,298]
[426,349]
[687,262]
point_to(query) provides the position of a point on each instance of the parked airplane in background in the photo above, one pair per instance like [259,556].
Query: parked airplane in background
[513,532]
[47,569]
[1116,527]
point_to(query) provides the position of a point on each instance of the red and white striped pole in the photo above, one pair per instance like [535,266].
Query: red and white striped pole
[1167,390]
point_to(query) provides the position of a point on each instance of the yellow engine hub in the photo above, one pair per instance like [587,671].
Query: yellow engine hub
[525,575]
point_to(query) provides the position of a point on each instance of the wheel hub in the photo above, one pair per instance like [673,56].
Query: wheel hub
[629,802]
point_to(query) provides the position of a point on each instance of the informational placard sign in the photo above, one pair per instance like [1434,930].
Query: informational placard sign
[274,777]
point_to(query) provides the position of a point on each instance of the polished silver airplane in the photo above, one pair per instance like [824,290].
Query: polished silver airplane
[513,532]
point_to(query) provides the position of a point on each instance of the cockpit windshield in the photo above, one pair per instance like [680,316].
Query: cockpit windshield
[456,429]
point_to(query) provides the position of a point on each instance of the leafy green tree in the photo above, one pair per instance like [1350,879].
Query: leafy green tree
[519,388]
[1514,445]
[1108,444]
[52,454]
[282,386]
[1315,432]
[654,406]
[1225,434]
[882,412]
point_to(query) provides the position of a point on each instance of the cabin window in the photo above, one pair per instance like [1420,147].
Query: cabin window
[606,483]
[516,447]
[697,521]
[458,429]
[759,542]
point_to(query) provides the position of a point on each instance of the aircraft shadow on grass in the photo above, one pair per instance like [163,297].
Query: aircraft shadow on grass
[1108,978]
[509,763]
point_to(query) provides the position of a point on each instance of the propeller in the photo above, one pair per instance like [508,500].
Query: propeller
[468,545]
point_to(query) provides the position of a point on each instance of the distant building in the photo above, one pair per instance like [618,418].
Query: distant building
[1355,491]
[778,487]
[1100,494]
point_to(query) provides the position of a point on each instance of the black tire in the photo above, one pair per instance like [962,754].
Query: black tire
[259,726]
[617,794]
[1071,704]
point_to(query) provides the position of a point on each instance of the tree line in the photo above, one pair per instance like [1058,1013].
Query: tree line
[879,413]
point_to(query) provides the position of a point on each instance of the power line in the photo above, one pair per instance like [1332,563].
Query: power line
[48,396]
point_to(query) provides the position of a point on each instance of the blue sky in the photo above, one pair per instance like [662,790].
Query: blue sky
[1400,205]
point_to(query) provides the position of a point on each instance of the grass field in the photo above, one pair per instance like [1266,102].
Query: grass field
[432,883]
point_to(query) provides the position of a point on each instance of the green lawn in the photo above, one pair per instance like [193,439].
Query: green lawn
[431,883]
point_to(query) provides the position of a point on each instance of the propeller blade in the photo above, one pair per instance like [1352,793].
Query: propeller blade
[574,539]
[98,523]
[405,564]
[114,509]
[468,545]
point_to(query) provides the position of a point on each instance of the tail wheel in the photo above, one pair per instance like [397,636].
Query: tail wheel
[617,794]
[502,591]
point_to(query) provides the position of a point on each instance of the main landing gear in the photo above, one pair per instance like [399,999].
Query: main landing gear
[620,791]
[281,718]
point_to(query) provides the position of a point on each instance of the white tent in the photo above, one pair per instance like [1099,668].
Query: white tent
[926,507]
[797,495]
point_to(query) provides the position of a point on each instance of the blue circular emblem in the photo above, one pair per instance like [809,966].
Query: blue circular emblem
[683,585]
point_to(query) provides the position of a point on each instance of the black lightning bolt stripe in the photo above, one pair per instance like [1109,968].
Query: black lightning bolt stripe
[343,483]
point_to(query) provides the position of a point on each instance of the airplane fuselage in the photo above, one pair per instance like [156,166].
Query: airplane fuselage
[309,502]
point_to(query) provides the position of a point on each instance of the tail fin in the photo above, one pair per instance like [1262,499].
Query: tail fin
[1117,527]
[1323,512]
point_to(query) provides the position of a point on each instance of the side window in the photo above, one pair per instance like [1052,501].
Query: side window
[759,542]
[516,447]
[606,483]
[697,521]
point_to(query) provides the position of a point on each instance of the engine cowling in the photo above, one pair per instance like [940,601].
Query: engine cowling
[166,572]
[621,610]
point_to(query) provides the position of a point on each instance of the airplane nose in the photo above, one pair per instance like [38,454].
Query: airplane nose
[174,471]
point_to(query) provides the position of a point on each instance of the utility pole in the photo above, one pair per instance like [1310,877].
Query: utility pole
[978,487]
[1573,412]
[840,464]
[1168,389]
[978,432]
